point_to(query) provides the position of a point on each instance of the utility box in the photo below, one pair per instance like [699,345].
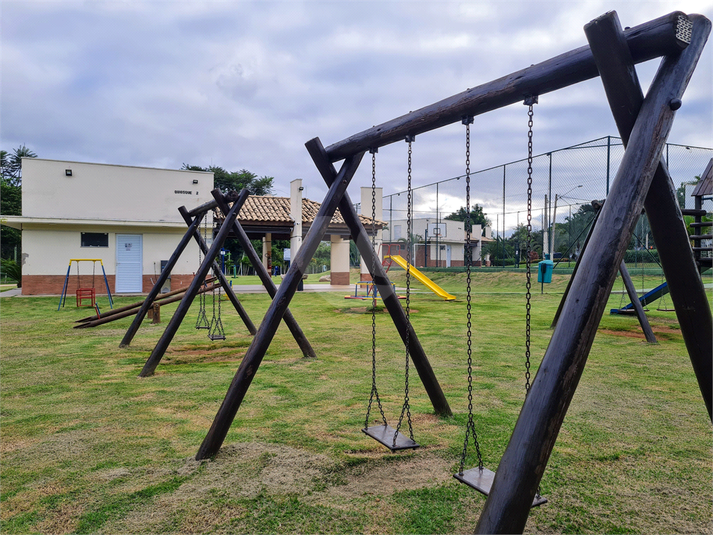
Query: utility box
[544,273]
[166,285]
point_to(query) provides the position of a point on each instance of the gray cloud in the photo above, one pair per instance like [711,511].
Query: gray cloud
[245,84]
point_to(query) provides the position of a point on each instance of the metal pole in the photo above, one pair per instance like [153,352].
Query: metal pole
[503,254]
[530,446]
[608,161]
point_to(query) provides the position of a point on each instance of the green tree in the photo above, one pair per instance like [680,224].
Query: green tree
[477,216]
[11,198]
[236,180]
[12,164]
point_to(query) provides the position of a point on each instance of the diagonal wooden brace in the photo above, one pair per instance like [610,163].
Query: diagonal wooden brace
[208,262]
[621,84]
[391,301]
[267,282]
[255,353]
[535,433]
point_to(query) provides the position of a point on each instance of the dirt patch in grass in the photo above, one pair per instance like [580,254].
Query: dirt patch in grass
[662,330]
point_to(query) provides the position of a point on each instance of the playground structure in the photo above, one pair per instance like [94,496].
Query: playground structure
[85,292]
[366,289]
[641,181]
[420,277]
[193,220]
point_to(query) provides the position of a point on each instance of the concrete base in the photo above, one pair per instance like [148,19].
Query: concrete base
[339,278]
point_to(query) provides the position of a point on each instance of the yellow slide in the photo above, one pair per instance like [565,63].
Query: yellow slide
[420,277]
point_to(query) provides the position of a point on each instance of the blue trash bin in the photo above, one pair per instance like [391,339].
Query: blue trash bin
[544,273]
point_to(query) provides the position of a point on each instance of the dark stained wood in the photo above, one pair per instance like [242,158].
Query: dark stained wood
[647,41]
[256,352]
[268,283]
[130,312]
[180,313]
[535,433]
[163,277]
[640,314]
[665,217]
[383,284]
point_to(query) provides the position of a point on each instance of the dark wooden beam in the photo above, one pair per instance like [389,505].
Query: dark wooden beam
[667,224]
[163,277]
[219,272]
[180,313]
[640,314]
[530,446]
[653,39]
[269,285]
[255,353]
[386,291]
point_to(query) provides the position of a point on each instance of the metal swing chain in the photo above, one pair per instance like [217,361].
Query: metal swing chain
[530,102]
[470,427]
[528,285]
[202,319]
[407,407]
[374,392]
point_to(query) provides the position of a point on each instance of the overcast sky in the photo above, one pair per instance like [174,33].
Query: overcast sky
[246,84]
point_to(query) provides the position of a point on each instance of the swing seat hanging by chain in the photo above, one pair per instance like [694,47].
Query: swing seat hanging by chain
[389,437]
[216,330]
[384,433]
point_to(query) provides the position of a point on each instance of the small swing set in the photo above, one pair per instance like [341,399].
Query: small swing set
[85,292]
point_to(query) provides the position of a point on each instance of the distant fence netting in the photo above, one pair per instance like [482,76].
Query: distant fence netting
[565,182]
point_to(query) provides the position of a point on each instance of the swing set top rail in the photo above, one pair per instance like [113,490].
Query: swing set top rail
[659,37]
[85,260]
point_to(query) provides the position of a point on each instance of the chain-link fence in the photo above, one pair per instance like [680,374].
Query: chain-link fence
[565,182]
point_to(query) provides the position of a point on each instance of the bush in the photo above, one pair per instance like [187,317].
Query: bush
[11,270]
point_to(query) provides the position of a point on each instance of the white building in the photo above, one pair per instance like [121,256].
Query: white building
[127,216]
[437,243]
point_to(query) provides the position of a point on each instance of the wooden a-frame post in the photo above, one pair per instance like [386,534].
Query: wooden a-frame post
[533,438]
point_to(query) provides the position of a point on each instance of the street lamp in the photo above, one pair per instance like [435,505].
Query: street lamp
[554,221]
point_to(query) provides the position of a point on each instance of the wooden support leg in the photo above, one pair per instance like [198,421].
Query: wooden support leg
[631,290]
[156,313]
[269,285]
[525,458]
[391,301]
[255,353]
[221,277]
[134,327]
[667,225]
[192,291]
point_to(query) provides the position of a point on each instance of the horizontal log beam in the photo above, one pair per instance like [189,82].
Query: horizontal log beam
[647,41]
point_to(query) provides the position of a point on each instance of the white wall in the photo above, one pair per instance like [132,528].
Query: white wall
[109,192]
[47,251]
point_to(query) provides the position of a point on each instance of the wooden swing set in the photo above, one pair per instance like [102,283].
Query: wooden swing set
[642,181]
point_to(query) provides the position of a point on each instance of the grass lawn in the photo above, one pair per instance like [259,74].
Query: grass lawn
[88,447]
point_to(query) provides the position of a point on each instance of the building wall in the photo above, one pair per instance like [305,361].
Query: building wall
[47,251]
[109,192]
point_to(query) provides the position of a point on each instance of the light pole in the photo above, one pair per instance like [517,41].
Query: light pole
[554,221]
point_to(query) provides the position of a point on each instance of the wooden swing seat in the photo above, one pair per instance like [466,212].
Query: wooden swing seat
[482,481]
[215,337]
[385,435]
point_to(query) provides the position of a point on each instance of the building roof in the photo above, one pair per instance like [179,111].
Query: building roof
[705,185]
[265,212]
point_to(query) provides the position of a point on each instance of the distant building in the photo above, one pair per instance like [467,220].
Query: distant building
[127,216]
[435,243]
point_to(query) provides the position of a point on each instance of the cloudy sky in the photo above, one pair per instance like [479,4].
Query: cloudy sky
[245,84]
